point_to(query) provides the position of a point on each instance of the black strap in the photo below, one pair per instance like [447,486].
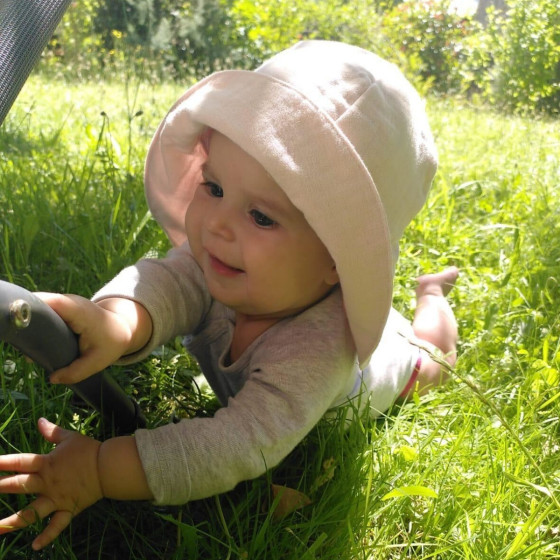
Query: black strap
[25,29]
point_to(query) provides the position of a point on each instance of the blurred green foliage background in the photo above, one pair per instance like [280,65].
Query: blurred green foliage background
[512,61]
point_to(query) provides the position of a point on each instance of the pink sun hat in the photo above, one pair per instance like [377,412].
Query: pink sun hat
[341,131]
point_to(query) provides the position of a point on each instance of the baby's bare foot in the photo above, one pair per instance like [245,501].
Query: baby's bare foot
[438,284]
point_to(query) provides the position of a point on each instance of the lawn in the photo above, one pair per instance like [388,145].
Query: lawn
[471,471]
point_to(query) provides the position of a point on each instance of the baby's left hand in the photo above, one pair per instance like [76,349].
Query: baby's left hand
[65,481]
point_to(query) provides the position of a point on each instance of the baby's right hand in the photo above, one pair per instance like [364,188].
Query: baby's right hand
[104,335]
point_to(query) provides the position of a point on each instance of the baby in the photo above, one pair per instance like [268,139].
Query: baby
[285,192]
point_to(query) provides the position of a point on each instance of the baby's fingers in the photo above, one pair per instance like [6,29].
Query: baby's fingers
[21,484]
[21,462]
[68,306]
[34,512]
[58,522]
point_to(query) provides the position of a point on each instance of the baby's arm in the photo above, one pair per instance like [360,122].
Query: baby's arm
[107,330]
[76,474]
[81,470]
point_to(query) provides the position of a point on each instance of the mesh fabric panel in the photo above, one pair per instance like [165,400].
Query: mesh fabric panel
[25,28]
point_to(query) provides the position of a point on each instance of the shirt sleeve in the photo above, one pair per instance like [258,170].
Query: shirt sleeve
[295,376]
[171,289]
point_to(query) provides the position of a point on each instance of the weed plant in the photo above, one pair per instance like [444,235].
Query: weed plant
[470,471]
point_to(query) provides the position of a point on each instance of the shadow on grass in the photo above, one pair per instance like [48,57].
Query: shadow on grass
[19,143]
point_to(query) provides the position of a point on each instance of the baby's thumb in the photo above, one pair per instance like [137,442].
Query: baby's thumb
[81,368]
[51,432]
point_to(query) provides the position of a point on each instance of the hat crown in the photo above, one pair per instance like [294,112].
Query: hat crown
[323,72]
[378,111]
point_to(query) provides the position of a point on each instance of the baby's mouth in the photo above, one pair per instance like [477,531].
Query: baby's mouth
[222,268]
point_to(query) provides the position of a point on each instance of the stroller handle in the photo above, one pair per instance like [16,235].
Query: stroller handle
[31,326]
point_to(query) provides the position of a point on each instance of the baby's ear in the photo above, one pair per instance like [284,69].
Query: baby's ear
[332,277]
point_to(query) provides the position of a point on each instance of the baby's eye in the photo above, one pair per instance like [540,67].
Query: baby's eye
[213,189]
[262,220]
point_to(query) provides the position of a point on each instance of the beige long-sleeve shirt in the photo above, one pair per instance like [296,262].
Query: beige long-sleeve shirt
[272,395]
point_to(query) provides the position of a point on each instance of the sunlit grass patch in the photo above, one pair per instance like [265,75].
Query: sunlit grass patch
[470,471]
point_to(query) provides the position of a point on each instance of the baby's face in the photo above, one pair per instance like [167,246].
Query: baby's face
[259,255]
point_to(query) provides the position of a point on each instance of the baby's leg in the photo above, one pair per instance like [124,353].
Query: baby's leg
[435,325]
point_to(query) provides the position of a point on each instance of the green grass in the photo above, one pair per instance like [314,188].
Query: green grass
[481,455]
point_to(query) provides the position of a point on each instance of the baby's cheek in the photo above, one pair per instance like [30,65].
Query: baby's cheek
[191,222]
